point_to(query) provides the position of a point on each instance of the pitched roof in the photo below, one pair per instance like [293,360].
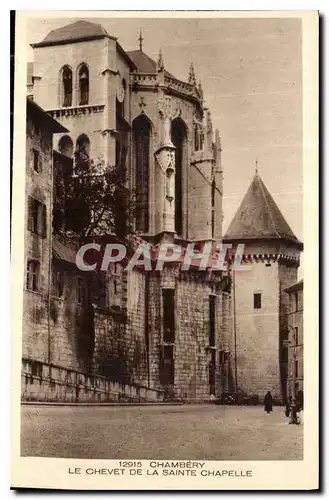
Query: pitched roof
[259,217]
[37,113]
[80,30]
[144,63]
[63,252]
[295,287]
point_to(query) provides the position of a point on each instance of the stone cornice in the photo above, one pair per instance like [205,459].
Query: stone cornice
[271,257]
[111,71]
[150,81]
[180,86]
[76,110]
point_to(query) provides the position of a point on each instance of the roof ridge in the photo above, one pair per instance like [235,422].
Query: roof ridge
[259,217]
[279,213]
[74,32]
[144,54]
[142,59]
[262,185]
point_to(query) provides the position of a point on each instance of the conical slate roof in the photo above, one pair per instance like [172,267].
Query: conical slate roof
[80,30]
[259,217]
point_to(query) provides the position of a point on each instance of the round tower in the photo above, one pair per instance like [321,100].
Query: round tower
[271,260]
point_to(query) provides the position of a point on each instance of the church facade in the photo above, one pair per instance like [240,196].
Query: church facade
[187,335]
[169,330]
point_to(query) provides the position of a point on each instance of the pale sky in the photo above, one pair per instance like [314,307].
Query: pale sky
[250,71]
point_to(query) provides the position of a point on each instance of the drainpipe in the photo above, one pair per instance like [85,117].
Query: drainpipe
[293,415]
[234,329]
[146,326]
[50,240]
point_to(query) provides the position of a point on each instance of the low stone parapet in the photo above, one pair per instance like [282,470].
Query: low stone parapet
[51,383]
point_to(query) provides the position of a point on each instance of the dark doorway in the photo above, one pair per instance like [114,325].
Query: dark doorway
[167,368]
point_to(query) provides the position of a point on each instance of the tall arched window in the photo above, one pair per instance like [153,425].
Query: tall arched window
[66,87]
[178,137]
[142,133]
[65,146]
[83,77]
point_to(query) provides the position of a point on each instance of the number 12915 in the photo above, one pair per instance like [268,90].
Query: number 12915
[130,464]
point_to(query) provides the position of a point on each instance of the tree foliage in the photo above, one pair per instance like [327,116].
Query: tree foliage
[92,199]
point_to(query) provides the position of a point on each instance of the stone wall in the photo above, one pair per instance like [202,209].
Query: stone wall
[258,330]
[226,344]
[97,118]
[154,329]
[37,246]
[52,383]
[199,201]
[123,339]
[120,348]
[191,350]
[287,276]
[35,326]
[192,353]
[49,61]
[71,324]
[296,348]
[106,67]
[136,333]
[110,356]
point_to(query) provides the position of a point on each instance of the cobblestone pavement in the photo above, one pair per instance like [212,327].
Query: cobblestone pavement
[188,432]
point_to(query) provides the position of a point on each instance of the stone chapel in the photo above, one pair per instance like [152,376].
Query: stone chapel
[189,334]
[167,330]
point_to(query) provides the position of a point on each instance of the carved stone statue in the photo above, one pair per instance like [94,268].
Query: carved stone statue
[170,183]
[167,114]
[160,63]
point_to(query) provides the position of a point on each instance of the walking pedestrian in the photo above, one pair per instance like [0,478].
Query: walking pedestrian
[300,400]
[268,402]
[300,406]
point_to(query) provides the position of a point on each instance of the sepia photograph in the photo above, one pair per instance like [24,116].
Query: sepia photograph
[163,232]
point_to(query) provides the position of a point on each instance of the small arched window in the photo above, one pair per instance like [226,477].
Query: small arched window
[82,150]
[66,86]
[65,146]
[83,85]
[81,156]
[83,144]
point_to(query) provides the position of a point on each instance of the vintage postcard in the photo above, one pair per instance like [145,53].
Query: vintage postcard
[164,251]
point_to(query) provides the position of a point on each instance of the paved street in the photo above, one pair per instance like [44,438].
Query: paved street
[189,432]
